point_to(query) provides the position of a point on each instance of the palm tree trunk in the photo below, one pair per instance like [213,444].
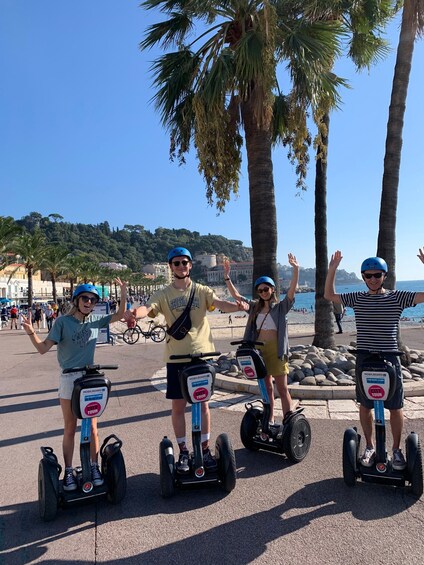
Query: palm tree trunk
[263,217]
[324,334]
[54,291]
[386,246]
[30,291]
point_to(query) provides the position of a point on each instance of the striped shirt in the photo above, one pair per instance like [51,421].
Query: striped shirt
[377,317]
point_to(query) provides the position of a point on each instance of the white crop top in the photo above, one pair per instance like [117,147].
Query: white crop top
[268,324]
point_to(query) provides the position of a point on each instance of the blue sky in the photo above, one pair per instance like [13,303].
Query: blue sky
[80,137]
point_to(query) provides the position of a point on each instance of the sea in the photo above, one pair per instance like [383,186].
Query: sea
[306,300]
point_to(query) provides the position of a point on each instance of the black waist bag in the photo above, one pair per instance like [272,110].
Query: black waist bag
[182,324]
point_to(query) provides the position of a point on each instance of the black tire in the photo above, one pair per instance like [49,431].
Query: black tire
[48,491]
[167,483]
[297,438]
[350,456]
[131,336]
[116,477]
[248,428]
[158,334]
[226,460]
[414,461]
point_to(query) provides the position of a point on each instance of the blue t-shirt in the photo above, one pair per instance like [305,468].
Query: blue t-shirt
[76,340]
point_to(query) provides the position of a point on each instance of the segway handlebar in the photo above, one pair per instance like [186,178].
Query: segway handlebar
[88,368]
[195,355]
[246,342]
[376,352]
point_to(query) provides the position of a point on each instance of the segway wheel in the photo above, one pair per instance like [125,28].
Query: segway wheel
[350,456]
[414,464]
[167,471]
[116,476]
[297,438]
[48,491]
[248,428]
[158,334]
[131,336]
[227,470]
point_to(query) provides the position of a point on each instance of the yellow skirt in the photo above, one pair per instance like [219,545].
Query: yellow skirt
[274,365]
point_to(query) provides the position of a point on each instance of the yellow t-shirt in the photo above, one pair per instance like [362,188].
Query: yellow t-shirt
[170,302]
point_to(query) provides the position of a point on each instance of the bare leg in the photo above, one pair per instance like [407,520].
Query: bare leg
[270,389]
[70,424]
[396,423]
[365,416]
[206,418]
[178,417]
[283,391]
[94,445]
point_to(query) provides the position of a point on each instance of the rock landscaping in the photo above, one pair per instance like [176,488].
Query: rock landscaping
[310,365]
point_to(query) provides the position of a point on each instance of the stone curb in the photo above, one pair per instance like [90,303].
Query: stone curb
[223,382]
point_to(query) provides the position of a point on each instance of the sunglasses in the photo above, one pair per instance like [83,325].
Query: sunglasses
[264,289]
[184,263]
[86,299]
[371,275]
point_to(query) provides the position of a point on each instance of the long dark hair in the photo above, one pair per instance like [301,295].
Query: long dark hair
[259,304]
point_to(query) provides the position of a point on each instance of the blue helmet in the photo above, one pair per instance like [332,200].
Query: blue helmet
[85,288]
[374,264]
[266,280]
[179,252]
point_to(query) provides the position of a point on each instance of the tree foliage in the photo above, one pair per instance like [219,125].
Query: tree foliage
[132,245]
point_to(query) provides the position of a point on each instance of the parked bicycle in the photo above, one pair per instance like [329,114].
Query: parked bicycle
[155,332]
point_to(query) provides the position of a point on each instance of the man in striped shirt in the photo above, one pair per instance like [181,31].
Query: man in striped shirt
[377,315]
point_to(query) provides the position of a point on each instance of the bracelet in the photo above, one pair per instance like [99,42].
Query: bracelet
[227,279]
[31,334]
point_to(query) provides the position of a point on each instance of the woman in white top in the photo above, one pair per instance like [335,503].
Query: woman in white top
[268,323]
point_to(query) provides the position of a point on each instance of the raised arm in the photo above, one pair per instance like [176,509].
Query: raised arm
[41,346]
[119,314]
[228,282]
[227,306]
[330,289]
[295,276]
[419,296]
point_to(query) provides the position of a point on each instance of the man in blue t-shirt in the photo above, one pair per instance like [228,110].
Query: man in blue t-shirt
[377,315]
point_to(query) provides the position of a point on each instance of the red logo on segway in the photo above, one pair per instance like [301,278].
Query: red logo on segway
[199,472]
[92,409]
[376,392]
[249,372]
[200,394]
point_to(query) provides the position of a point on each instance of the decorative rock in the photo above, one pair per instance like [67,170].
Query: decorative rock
[318,371]
[308,381]
[234,369]
[320,379]
[330,377]
[345,382]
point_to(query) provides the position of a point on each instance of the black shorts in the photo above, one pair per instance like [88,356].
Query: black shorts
[173,389]
[396,402]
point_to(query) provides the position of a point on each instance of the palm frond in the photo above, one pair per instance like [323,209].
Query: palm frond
[170,32]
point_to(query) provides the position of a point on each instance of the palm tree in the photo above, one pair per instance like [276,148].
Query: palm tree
[363,22]
[9,229]
[55,262]
[32,249]
[412,27]
[209,94]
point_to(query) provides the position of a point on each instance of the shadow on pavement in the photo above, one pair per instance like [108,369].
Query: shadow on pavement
[233,541]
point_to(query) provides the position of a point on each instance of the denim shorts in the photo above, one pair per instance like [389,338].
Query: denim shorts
[66,384]
[396,402]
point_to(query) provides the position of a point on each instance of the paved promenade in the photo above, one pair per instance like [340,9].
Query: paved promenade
[278,513]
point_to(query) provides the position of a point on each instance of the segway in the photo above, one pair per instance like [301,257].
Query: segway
[89,399]
[377,382]
[197,382]
[292,437]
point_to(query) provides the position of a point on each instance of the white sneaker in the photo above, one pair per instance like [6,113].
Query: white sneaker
[398,460]
[368,457]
